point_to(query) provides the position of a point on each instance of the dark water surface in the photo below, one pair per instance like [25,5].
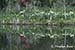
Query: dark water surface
[39,37]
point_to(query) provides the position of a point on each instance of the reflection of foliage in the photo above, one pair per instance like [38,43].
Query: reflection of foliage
[39,35]
[3,40]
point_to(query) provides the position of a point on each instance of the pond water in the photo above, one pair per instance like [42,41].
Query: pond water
[38,37]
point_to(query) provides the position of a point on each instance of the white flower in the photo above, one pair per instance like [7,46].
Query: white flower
[56,35]
[52,12]
[66,14]
[42,35]
[17,21]
[71,35]
[21,34]
[71,12]
[52,36]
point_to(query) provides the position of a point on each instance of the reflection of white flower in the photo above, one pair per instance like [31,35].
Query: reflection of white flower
[22,15]
[42,35]
[22,11]
[37,10]
[33,33]
[71,12]
[66,13]
[48,34]
[71,35]
[17,20]
[48,13]
[32,15]
[56,13]
[37,14]
[42,12]
[3,21]
[48,21]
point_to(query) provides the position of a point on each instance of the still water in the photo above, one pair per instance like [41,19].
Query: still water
[38,37]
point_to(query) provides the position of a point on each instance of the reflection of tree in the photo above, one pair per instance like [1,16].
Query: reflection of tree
[3,40]
[3,4]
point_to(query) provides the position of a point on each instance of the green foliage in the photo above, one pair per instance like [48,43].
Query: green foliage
[37,16]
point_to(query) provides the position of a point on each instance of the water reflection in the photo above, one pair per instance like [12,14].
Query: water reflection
[37,37]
